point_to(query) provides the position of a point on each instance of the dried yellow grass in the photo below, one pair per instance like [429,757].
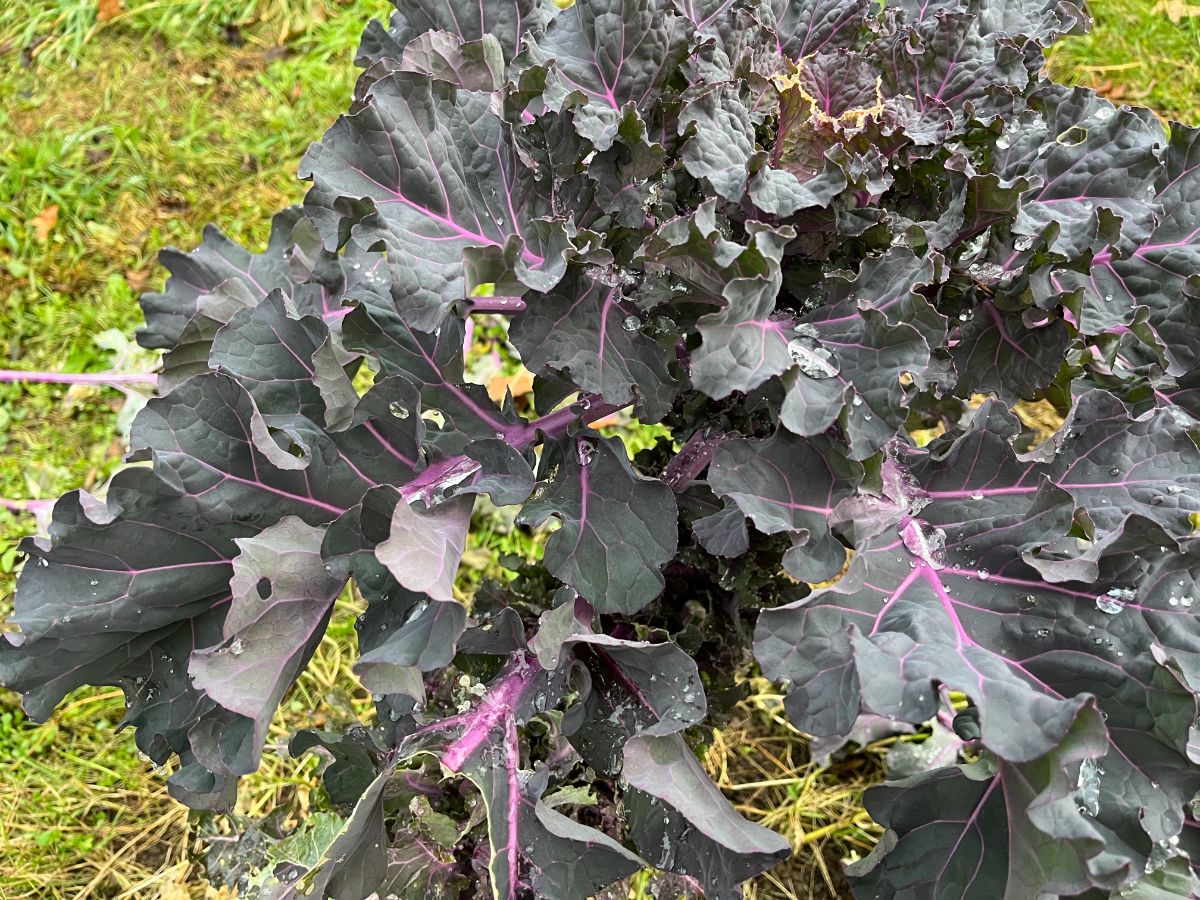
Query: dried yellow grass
[763,764]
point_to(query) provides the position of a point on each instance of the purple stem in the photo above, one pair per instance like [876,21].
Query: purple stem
[510,305]
[692,458]
[497,707]
[468,336]
[29,506]
[454,469]
[447,471]
[589,407]
[79,377]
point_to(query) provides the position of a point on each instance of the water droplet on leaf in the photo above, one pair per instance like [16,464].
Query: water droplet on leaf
[811,358]
[1110,605]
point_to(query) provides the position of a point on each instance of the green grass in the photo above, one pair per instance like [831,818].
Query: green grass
[137,151]
[58,30]
[140,131]
[156,127]
[1135,54]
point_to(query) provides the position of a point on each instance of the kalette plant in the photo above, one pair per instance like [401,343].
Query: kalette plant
[839,252]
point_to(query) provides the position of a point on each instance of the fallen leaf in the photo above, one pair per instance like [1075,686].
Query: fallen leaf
[43,223]
[137,280]
[1177,10]
[107,10]
[1110,90]
[520,383]
[608,421]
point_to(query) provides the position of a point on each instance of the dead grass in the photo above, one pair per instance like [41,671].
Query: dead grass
[81,817]
[763,765]
[77,820]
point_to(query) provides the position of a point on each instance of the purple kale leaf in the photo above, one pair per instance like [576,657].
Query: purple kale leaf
[916,331]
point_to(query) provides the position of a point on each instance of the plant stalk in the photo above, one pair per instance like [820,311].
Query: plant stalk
[16,375]
[455,469]
[28,506]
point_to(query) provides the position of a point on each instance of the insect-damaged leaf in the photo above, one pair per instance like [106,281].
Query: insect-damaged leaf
[1156,273]
[1094,163]
[281,600]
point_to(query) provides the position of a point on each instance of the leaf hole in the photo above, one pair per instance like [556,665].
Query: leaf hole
[1073,136]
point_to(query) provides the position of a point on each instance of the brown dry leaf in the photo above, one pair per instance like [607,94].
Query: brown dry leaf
[107,10]
[43,223]
[520,383]
[136,280]
[1177,10]
[608,421]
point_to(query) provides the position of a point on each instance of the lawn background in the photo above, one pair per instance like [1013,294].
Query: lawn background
[124,129]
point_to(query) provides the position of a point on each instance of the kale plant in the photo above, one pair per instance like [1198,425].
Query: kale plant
[843,254]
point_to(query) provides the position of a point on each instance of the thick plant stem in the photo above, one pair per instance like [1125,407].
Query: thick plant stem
[692,459]
[16,375]
[588,407]
[29,506]
[498,706]
[456,469]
